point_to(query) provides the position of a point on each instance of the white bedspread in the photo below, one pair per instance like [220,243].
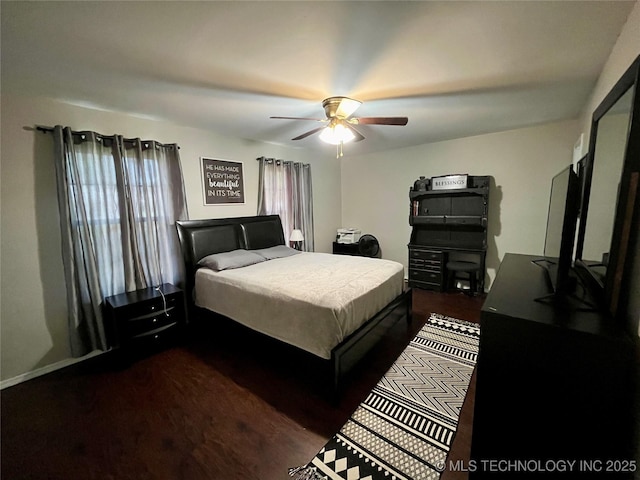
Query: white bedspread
[310,300]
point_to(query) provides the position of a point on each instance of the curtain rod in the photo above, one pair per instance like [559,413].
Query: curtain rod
[46,129]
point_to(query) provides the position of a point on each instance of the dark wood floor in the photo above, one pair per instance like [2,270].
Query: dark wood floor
[225,404]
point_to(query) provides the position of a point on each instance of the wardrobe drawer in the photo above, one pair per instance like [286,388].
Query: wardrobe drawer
[431,255]
[430,265]
[426,276]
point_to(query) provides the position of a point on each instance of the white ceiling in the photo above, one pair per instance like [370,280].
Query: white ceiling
[454,68]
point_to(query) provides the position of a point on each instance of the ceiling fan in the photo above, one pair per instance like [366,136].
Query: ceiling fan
[339,127]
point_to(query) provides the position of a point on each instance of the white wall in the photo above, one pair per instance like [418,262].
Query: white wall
[33,305]
[624,52]
[375,187]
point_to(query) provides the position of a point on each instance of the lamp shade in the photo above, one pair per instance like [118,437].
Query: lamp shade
[296,236]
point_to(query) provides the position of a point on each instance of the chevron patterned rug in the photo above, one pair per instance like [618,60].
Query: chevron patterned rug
[405,427]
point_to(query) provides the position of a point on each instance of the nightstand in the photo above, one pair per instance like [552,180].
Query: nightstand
[146,317]
[346,249]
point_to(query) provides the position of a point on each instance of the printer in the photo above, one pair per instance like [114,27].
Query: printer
[348,235]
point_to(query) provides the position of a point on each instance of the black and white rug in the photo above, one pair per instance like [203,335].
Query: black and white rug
[405,427]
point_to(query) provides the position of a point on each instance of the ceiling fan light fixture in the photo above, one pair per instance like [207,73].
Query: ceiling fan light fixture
[336,134]
[341,107]
[339,129]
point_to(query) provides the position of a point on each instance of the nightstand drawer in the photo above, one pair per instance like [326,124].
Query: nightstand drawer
[151,321]
[153,339]
[149,307]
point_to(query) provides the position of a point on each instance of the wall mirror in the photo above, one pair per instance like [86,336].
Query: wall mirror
[610,190]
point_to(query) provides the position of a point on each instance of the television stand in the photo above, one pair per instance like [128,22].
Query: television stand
[551,383]
[567,301]
[563,296]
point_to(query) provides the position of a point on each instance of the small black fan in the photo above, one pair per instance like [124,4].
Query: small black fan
[368,246]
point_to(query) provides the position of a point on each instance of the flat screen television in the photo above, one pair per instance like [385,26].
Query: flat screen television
[560,234]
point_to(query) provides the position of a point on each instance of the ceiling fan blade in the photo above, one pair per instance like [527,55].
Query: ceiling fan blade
[380,120]
[301,118]
[310,132]
[358,135]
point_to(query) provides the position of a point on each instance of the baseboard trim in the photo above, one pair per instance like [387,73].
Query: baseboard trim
[38,372]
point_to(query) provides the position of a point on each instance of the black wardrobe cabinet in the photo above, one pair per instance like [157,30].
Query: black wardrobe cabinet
[447,224]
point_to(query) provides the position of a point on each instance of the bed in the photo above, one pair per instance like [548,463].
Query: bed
[331,306]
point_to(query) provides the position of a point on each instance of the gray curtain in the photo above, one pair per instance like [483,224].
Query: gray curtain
[285,189]
[119,200]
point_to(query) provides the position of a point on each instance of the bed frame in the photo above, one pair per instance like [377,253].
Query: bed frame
[199,238]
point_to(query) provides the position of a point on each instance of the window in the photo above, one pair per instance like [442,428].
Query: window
[285,189]
[119,200]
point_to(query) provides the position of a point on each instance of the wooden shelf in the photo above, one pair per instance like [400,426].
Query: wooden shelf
[448,246]
[414,194]
[474,220]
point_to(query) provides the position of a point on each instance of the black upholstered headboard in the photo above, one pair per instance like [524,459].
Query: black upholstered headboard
[199,238]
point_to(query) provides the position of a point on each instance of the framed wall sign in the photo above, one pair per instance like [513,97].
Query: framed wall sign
[222,181]
[449,182]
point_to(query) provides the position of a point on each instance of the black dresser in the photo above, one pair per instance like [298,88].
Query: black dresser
[555,385]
